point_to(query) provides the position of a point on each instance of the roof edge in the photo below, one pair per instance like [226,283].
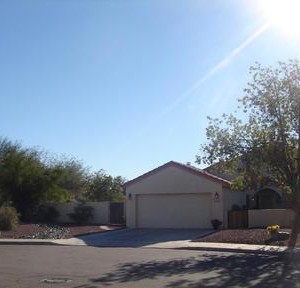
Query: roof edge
[189,168]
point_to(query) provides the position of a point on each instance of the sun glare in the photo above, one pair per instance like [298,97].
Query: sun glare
[284,15]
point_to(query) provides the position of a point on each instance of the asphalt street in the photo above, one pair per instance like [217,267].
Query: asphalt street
[92,267]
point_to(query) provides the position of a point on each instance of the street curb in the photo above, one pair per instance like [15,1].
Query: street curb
[55,242]
[27,242]
[211,249]
[234,250]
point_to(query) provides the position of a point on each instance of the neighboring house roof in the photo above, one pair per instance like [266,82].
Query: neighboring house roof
[188,168]
[220,170]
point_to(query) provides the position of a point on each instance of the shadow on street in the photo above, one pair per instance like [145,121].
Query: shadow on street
[242,270]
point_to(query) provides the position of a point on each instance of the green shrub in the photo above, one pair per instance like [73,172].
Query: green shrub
[9,218]
[82,214]
[47,214]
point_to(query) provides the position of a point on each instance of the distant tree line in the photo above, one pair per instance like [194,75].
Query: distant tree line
[30,177]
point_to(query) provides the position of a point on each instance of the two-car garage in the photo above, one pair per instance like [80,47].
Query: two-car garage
[174,195]
[168,211]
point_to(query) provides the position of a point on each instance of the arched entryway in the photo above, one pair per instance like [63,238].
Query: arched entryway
[267,198]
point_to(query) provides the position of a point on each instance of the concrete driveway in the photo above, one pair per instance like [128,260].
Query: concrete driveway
[140,237]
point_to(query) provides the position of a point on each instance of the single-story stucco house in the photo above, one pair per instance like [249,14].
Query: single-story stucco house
[177,195]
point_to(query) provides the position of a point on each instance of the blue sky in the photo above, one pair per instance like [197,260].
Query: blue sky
[126,86]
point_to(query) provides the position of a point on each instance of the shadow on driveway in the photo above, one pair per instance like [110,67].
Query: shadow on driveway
[141,237]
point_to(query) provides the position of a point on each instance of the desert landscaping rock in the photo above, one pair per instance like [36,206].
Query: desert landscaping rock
[50,231]
[244,236]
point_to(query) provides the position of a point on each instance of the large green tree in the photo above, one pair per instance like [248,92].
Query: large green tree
[103,187]
[70,176]
[25,181]
[262,140]
[29,178]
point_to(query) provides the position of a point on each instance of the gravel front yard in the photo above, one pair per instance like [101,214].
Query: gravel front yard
[45,231]
[64,231]
[244,236]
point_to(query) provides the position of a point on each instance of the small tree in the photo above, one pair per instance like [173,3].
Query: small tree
[263,144]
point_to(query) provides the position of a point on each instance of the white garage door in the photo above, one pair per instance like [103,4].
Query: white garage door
[174,211]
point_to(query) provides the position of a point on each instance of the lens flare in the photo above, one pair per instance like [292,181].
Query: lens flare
[283,14]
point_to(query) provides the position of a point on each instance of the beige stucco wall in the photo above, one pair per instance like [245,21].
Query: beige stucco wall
[100,212]
[266,217]
[173,180]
